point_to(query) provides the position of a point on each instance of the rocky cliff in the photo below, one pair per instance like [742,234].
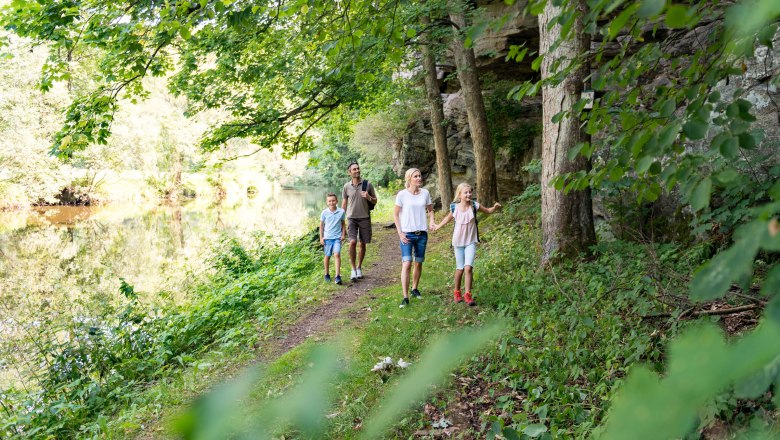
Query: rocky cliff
[516,126]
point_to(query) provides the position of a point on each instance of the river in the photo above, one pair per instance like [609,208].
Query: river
[64,263]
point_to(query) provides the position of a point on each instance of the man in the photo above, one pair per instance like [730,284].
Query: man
[355,202]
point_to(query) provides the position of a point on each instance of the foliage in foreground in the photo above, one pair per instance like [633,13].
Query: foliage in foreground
[105,362]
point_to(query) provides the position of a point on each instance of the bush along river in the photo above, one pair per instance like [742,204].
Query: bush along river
[96,303]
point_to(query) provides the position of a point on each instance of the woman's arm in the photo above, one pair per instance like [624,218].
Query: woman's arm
[431,218]
[397,221]
[489,210]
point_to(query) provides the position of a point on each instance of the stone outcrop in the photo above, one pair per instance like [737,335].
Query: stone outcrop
[492,48]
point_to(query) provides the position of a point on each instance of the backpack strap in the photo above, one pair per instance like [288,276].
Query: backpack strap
[452,208]
[476,222]
[365,185]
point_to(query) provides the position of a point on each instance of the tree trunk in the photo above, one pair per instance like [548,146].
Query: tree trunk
[567,218]
[487,190]
[437,122]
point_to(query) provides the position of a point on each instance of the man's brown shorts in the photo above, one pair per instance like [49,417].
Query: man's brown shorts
[361,227]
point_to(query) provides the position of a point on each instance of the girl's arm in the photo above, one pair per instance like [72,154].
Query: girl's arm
[443,222]
[489,210]
[397,221]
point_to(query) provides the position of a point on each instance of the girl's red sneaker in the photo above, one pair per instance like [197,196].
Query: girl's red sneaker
[469,300]
[458,298]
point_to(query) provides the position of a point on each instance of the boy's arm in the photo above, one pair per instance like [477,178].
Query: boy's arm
[322,237]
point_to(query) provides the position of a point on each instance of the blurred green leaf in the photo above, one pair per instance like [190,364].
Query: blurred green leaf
[434,366]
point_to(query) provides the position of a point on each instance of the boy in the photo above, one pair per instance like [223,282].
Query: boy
[332,232]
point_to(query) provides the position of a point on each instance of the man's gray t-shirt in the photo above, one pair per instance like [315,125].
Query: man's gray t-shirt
[357,206]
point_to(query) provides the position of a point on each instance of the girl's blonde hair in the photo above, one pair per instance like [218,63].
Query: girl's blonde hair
[408,175]
[460,189]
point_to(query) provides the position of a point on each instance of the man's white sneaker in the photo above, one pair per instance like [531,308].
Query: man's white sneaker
[353,275]
[359,273]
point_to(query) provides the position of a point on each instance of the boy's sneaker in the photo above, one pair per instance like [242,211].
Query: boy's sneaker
[353,275]
[327,277]
[338,280]
[458,298]
[469,300]
[359,273]
[416,293]
[404,303]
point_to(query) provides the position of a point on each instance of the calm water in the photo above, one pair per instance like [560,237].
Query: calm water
[65,263]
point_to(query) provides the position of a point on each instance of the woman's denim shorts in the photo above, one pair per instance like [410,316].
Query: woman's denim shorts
[416,246]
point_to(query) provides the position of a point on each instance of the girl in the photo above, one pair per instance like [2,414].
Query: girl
[464,236]
[411,206]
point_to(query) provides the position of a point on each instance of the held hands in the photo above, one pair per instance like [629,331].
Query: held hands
[432,227]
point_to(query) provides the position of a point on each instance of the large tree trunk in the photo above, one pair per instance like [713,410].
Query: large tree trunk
[487,190]
[567,218]
[437,121]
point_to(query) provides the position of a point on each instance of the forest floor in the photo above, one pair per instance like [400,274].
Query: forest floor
[381,270]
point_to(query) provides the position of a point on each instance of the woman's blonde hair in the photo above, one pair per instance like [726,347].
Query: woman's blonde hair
[460,189]
[408,175]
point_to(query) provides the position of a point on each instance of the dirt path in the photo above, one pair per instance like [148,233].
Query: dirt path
[384,269]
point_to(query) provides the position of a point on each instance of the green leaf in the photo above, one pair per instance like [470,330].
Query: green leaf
[766,34]
[774,191]
[700,198]
[677,16]
[728,175]
[411,33]
[714,96]
[729,148]
[620,22]
[433,367]
[535,430]
[650,8]
[668,107]
[771,284]
[643,164]
[746,141]
[715,277]
[537,63]
[575,150]
[695,129]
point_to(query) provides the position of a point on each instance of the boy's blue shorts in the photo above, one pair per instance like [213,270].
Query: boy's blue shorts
[332,246]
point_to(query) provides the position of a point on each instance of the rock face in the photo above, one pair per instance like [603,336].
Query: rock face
[512,151]
[515,126]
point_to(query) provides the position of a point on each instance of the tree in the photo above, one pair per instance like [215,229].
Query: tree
[567,216]
[437,118]
[484,156]
[278,69]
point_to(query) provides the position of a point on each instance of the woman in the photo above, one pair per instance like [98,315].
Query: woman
[411,206]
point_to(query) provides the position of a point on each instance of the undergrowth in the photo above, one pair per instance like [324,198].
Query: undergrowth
[105,363]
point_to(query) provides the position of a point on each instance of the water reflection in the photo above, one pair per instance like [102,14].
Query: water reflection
[58,264]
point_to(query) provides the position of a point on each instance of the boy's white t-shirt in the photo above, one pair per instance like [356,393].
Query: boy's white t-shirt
[413,209]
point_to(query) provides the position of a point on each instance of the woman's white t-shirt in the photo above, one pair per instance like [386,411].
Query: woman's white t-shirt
[413,209]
